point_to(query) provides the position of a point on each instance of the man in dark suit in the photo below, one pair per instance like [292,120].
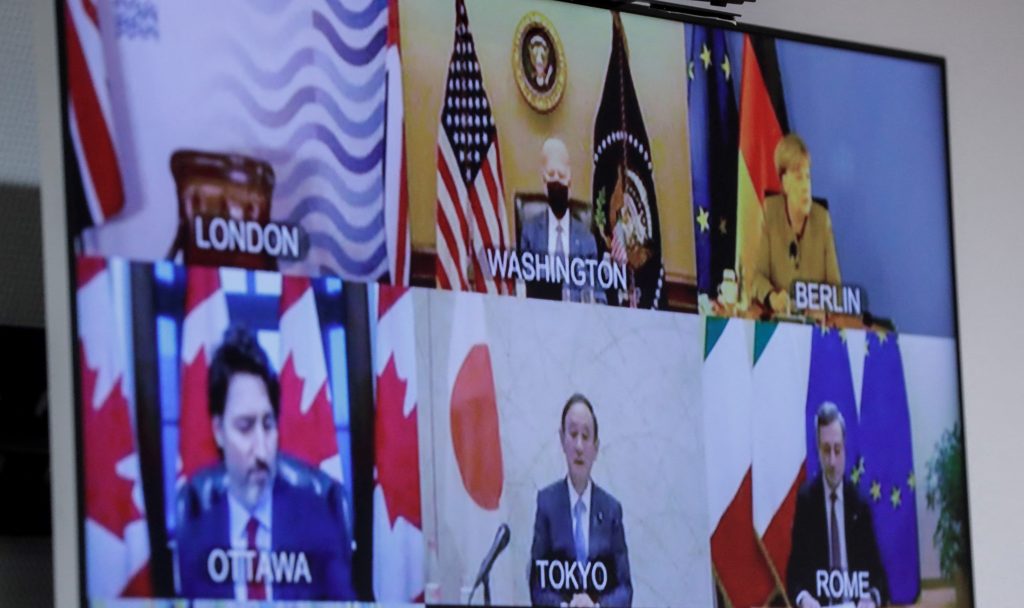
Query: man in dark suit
[579,555]
[557,233]
[833,534]
[258,525]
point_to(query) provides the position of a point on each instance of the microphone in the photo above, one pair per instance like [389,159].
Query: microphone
[794,253]
[500,542]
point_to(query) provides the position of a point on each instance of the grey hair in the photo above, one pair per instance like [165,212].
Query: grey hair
[828,413]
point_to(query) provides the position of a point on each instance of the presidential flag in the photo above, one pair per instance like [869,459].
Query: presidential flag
[306,414]
[396,184]
[116,535]
[471,215]
[206,319]
[886,478]
[714,154]
[625,200]
[90,119]
[398,547]
[763,122]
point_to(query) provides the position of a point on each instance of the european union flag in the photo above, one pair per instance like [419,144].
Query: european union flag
[888,482]
[831,380]
[714,150]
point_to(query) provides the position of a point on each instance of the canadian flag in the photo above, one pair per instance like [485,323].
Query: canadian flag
[782,360]
[474,471]
[206,320]
[116,537]
[397,515]
[306,416]
[396,185]
[741,571]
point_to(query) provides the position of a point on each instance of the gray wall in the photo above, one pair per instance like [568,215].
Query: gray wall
[21,290]
[26,569]
[19,137]
[21,264]
[26,572]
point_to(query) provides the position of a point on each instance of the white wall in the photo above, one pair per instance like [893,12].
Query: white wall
[983,46]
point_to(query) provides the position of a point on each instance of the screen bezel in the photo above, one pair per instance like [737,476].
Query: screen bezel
[67,471]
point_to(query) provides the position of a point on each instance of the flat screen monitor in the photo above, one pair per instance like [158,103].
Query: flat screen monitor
[520,303]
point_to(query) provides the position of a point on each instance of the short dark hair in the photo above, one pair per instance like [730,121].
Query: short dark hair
[240,353]
[579,398]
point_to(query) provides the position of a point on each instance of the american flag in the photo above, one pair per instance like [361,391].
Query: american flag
[89,112]
[470,189]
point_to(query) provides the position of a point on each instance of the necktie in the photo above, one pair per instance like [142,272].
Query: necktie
[835,558]
[580,520]
[560,254]
[255,589]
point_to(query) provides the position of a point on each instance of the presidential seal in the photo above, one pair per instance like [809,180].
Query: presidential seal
[538,61]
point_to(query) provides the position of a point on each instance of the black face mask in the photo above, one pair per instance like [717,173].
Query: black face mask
[558,198]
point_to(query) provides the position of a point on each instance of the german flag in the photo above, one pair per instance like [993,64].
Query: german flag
[763,123]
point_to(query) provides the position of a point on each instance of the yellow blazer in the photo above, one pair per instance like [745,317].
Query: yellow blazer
[775,266]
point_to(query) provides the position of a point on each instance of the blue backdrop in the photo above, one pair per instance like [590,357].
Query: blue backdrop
[876,130]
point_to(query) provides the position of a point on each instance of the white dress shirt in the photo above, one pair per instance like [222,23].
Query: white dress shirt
[238,518]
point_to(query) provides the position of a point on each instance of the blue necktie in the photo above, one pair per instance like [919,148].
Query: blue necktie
[580,520]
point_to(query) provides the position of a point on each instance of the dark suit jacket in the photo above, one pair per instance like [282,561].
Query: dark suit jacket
[534,238]
[553,540]
[810,541]
[308,515]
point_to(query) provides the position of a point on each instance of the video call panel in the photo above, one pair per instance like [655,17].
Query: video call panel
[354,324]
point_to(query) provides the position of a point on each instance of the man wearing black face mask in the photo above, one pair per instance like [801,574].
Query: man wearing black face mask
[557,234]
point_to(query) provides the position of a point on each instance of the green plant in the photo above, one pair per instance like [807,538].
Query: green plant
[947,493]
